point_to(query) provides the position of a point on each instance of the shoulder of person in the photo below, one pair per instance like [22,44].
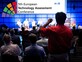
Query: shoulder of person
[14,45]
[2,47]
[40,47]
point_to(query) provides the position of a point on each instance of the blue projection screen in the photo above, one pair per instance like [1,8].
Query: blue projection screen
[40,6]
[36,12]
[32,12]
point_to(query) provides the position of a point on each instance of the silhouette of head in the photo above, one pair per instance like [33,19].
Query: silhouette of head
[23,29]
[7,38]
[33,27]
[12,31]
[32,38]
[60,17]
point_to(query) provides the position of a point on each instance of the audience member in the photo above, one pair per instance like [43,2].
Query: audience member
[34,53]
[79,26]
[75,31]
[59,38]
[24,33]
[35,31]
[3,30]
[44,43]
[80,38]
[15,38]
[9,49]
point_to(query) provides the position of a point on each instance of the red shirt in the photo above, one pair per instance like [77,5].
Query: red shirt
[59,38]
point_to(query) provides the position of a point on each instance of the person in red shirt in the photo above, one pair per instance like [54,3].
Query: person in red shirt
[59,38]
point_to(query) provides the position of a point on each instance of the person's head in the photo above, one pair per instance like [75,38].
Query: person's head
[7,38]
[34,27]
[60,17]
[12,31]
[74,27]
[23,29]
[32,38]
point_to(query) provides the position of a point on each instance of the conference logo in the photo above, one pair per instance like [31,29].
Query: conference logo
[10,10]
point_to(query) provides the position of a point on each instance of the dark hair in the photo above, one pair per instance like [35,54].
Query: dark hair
[23,29]
[34,27]
[60,17]
[6,38]
[32,38]
[12,31]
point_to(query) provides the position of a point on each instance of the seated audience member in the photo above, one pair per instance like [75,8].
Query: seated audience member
[59,38]
[34,53]
[9,52]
